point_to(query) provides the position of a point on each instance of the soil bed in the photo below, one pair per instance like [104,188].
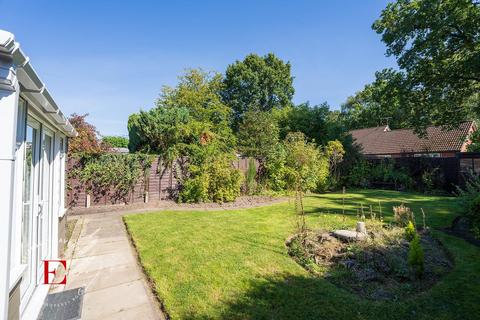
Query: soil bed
[239,203]
[376,268]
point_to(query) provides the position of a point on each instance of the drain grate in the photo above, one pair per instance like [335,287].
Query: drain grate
[65,305]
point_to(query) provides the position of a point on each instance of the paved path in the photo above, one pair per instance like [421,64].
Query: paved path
[101,259]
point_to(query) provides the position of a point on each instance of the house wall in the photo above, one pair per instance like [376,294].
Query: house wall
[12,150]
[8,110]
[22,92]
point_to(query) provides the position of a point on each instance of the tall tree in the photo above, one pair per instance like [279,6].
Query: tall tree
[257,135]
[87,140]
[188,120]
[379,103]
[257,84]
[437,47]
[313,121]
[159,130]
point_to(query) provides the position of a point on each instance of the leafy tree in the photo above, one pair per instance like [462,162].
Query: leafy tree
[379,103]
[186,118]
[87,140]
[474,146]
[334,152]
[215,180]
[116,141]
[160,131]
[310,120]
[307,167]
[437,47]
[257,134]
[258,84]
[191,122]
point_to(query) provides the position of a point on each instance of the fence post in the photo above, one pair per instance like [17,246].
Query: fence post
[87,200]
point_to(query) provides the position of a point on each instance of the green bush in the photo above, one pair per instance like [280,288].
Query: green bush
[470,203]
[306,166]
[416,259]
[364,174]
[410,231]
[115,174]
[386,172]
[474,215]
[359,174]
[216,181]
[275,170]
[295,162]
[195,190]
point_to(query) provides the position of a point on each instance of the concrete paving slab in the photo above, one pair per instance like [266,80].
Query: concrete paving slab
[105,278]
[102,260]
[114,300]
[143,312]
[96,248]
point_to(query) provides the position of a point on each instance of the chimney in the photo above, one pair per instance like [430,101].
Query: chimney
[387,127]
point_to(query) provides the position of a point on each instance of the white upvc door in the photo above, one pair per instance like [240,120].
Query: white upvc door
[29,209]
[37,206]
[44,213]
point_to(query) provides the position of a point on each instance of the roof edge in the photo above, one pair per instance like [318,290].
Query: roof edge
[9,48]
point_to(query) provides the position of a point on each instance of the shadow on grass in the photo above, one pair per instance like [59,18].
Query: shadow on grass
[283,296]
[440,210]
[287,296]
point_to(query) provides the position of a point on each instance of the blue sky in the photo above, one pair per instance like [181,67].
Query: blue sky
[111,58]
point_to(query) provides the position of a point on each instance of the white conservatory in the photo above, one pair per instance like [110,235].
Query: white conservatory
[34,135]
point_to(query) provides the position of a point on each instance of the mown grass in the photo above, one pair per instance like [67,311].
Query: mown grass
[234,264]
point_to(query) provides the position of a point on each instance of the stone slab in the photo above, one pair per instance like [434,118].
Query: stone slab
[348,235]
[114,300]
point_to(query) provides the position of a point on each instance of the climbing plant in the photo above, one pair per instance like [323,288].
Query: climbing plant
[112,174]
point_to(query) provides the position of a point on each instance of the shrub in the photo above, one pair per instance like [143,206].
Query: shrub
[194,190]
[275,170]
[416,259]
[474,215]
[334,152]
[433,180]
[366,173]
[306,166]
[115,174]
[402,215]
[216,181]
[359,174]
[410,231]
[386,172]
[470,203]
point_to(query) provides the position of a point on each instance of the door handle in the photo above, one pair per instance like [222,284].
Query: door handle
[40,209]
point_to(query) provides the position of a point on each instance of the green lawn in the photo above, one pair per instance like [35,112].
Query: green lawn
[234,264]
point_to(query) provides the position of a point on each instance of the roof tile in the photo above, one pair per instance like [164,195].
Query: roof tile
[378,141]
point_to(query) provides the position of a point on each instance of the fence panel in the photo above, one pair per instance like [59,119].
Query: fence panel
[160,182]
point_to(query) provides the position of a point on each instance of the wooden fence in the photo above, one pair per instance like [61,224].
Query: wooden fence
[454,171]
[159,184]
